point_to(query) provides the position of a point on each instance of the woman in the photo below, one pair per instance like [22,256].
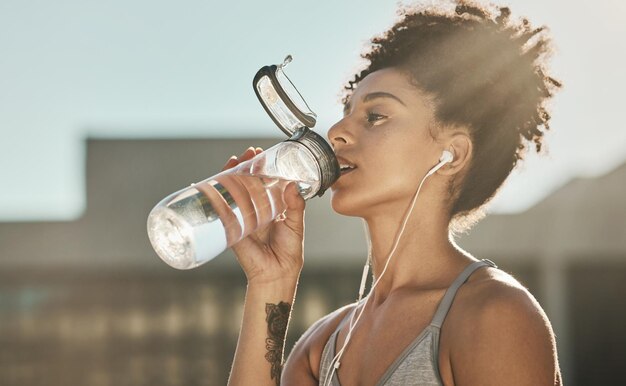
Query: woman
[468,82]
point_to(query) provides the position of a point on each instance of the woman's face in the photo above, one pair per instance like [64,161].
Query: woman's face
[385,134]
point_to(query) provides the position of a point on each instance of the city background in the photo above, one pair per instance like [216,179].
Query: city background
[105,108]
[89,302]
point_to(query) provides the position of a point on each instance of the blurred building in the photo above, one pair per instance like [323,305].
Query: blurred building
[88,302]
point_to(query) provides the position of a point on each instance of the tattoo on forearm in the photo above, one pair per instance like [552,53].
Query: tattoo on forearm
[277,319]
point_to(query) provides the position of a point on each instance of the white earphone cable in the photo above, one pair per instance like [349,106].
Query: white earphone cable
[335,363]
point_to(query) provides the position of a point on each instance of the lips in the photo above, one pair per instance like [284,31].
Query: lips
[346,166]
[346,171]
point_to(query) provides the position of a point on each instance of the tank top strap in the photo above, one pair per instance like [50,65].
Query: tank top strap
[347,316]
[448,298]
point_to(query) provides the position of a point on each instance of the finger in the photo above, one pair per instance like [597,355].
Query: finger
[225,213]
[259,165]
[258,150]
[247,154]
[239,192]
[260,198]
[294,215]
[230,163]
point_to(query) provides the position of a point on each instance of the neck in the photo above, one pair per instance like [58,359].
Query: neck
[424,256]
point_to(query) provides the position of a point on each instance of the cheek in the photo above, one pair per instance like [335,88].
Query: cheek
[376,188]
[389,174]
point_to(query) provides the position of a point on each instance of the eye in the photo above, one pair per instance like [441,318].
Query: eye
[373,117]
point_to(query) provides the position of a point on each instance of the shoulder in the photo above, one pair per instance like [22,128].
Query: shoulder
[304,358]
[315,337]
[501,330]
[490,292]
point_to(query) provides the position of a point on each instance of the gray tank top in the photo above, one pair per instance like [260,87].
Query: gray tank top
[418,364]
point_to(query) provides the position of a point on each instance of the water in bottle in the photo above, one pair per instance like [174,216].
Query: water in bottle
[201,221]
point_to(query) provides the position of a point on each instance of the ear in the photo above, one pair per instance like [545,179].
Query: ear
[460,144]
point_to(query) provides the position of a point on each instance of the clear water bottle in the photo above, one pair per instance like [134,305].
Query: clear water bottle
[195,224]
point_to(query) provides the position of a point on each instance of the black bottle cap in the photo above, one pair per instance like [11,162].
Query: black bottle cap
[323,152]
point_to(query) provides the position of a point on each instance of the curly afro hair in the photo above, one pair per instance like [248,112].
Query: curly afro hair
[484,72]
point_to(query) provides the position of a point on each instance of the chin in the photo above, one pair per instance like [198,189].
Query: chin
[346,204]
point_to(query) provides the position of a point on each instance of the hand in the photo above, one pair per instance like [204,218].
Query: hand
[274,252]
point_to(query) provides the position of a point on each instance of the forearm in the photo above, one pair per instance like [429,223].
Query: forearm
[259,355]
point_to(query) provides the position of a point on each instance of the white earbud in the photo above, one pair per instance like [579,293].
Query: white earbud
[446,157]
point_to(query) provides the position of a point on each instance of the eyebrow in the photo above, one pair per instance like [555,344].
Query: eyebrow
[374,95]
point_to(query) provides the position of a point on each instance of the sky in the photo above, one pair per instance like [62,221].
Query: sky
[74,69]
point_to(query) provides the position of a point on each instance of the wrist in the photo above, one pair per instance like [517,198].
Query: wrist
[278,281]
[273,284]
[275,291]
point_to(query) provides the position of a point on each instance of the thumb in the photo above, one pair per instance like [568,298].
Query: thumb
[294,214]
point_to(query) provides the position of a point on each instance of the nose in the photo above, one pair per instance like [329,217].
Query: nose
[339,135]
